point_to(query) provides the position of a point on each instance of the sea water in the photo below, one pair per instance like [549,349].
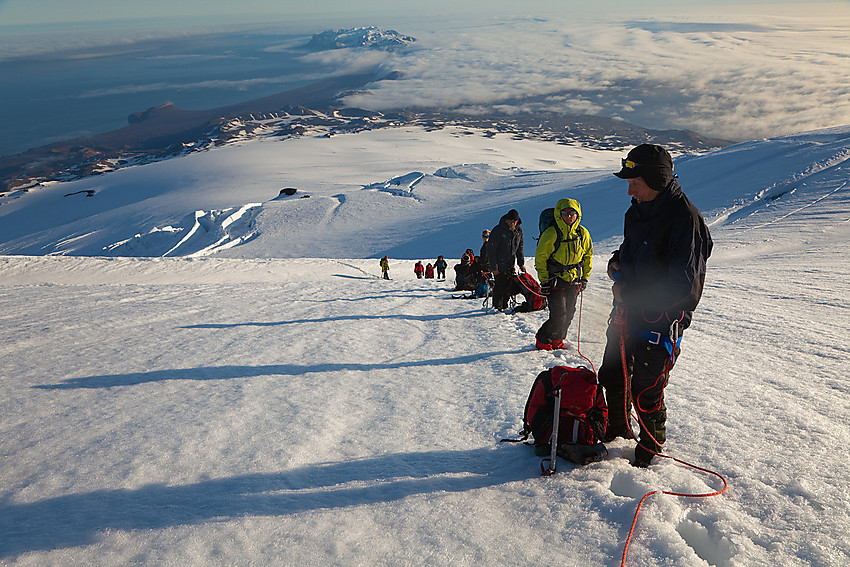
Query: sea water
[61,84]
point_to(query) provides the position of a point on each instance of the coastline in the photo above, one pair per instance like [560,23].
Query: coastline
[161,130]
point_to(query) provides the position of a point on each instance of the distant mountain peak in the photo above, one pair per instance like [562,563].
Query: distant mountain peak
[154,112]
[371,37]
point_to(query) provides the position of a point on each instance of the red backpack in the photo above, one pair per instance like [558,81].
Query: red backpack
[525,284]
[583,415]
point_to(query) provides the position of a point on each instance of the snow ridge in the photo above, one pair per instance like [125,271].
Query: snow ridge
[401,185]
[201,233]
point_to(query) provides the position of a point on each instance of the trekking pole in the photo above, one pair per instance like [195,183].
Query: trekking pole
[556,419]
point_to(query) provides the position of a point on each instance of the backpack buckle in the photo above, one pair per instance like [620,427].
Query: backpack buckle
[653,337]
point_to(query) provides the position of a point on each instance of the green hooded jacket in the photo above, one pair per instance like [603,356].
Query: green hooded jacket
[576,247]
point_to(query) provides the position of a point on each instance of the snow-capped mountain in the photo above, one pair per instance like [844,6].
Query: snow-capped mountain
[371,37]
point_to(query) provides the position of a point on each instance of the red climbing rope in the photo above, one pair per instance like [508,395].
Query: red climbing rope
[619,323]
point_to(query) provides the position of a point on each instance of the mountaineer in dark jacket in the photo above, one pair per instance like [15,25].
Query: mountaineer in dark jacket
[658,272]
[440,265]
[504,247]
[482,256]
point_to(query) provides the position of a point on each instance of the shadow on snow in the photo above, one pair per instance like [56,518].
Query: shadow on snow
[79,519]
[439,317]
[234,371]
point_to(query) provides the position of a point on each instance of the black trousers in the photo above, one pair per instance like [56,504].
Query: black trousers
[648,368]
[562,309]
[501,287]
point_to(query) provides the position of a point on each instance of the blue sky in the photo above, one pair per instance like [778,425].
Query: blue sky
[15,12]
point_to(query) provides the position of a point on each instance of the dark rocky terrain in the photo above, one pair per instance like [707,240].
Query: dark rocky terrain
[168,131]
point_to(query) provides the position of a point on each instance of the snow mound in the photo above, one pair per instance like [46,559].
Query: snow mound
[402,185]
[199,234]
[371,37]
[453,172]
[477,172]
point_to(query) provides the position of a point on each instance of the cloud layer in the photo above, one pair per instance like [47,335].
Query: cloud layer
[735,80]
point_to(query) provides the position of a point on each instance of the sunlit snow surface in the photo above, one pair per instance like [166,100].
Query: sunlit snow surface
[275,402]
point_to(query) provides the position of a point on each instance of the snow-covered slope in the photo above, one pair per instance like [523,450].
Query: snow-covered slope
[355,208]
[247,407]
[405,192]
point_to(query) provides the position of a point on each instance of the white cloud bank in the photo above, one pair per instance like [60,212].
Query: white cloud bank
[759,70]
[749,78]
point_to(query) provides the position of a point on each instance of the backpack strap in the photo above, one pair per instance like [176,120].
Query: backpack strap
[656,338]
[554,267]
[548,392]
[522,439]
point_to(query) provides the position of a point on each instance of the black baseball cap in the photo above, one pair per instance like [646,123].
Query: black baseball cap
[651,162]
[645,158]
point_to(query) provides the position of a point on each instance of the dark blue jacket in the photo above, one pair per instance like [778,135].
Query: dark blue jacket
[663,260]
[505,247]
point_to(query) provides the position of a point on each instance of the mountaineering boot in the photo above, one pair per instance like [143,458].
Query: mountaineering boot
[554,345]
[643,458]
[653,434]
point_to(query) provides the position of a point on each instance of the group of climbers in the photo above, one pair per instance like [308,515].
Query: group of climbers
[658,273]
